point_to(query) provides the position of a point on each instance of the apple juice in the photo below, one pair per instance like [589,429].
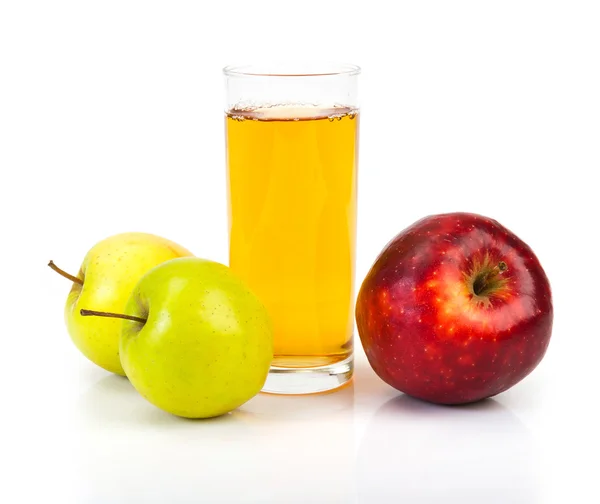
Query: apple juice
[292,224]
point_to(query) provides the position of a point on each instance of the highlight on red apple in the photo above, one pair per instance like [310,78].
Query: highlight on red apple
[456,308]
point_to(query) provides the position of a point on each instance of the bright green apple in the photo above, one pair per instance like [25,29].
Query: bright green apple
[206,344]
[108,274]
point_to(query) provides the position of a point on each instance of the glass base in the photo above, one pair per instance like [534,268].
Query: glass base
[309,380]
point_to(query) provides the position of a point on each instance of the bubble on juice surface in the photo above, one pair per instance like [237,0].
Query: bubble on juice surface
[337,116]
[292,112]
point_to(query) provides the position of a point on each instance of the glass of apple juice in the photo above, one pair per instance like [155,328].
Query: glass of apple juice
[292,153]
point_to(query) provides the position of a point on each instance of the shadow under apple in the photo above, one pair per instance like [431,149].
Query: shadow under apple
[113,402]
[417,452]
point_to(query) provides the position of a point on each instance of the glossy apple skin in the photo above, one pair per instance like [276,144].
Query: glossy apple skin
[423,332]
[207,344]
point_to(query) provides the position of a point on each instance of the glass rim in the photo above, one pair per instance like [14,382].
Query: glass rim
[292,69]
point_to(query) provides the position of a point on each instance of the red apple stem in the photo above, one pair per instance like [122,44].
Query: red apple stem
[488,281]
[94,313]
[65,274]
[500,268]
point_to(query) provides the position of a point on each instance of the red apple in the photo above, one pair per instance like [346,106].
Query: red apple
[455,309]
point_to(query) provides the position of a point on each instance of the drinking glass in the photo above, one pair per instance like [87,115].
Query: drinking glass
[292,152]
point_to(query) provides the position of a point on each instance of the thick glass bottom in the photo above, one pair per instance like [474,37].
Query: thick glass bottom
[309,380]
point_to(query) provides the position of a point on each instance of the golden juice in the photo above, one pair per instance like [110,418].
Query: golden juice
[292,215]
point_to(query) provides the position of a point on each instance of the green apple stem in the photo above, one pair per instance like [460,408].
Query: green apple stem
[88,313]
[65,274]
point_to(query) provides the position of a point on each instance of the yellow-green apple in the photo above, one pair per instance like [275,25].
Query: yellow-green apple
[196,341]
[108,274]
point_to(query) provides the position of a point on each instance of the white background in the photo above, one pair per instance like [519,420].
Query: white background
[111,120]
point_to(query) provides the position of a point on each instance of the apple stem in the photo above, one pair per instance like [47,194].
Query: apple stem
[502,266]
[484,283]
[88,313]
[65,274]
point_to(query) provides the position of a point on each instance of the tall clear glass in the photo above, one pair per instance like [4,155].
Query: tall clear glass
[292,152]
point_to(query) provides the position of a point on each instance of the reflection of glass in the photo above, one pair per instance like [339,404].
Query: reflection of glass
[292,139]
[275,449]
[308,447]
[421,453]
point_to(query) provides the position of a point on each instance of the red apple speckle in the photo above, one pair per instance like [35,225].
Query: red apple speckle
[456,308]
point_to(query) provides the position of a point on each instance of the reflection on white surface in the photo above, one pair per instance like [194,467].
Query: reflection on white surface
[274,449]
[421,453]
[302,449]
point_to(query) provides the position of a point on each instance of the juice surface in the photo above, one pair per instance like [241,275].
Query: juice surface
[292,212]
